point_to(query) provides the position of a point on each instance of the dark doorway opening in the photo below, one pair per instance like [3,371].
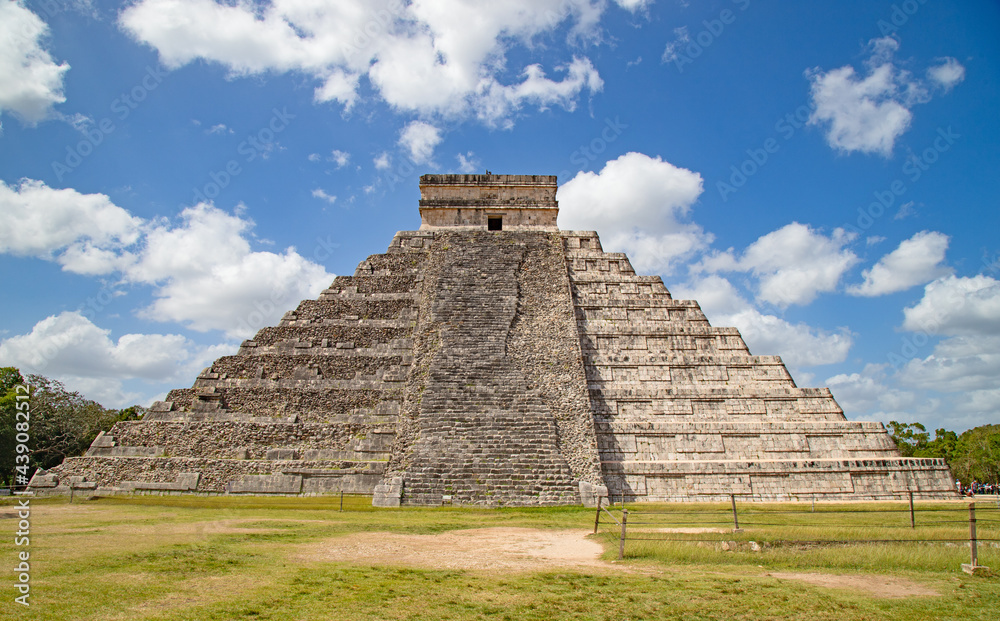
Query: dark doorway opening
[494,223]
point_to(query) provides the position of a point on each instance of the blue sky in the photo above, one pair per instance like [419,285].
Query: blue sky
[178,173]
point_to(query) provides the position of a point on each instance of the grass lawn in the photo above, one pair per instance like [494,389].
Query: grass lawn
[172,558]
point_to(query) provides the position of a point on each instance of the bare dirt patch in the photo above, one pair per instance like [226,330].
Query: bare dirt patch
[877,586]
[488,549]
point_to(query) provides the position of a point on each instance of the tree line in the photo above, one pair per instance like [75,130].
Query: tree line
[61,423]
[973,456]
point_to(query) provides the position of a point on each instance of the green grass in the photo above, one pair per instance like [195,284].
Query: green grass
[204,559]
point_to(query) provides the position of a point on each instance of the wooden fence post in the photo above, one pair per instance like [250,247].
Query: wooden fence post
[621,543]
[597,518]
[341,500]
[736,519]
[974,566]
[913,518]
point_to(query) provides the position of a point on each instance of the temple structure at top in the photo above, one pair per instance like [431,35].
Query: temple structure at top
[490,358]
[490,202]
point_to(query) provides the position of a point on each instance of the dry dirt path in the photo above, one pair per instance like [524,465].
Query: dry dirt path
[528,549]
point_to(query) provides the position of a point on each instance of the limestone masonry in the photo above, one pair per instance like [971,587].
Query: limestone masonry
[490,358]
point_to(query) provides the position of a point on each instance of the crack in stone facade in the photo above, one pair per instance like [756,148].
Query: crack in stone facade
[518,366]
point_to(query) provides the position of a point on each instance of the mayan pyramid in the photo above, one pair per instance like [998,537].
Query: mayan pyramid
[490,358]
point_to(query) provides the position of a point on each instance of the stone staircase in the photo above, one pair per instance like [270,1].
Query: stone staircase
[486,432]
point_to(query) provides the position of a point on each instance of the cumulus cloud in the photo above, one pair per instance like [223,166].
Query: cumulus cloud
[341,158]
[793,264]
[957,306]
[799,345]
[70,348]
[207,277]
[439,57]
[946,75]
[467,162]
[82,232]
[382,161]
[70,344]
[633,5]
[203,271]
[869,395]
[868,112]
[420,139]
[957,364]
[30,81]
[916,261]
[640,205]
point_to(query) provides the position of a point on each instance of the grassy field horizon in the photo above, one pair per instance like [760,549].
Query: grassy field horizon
[214,558]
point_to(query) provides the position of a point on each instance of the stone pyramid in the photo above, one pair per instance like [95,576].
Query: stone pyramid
[490,358]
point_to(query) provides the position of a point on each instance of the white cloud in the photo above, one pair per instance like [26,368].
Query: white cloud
[868,393]
[793,264]
[916,261]
[221,128]
[681,38]
[30,81]
[319,193]
[207,277]
[314,157]
[905,211]
[440,57]
[868,113]
[946,75]
[633,5]
[82,232]
[499,102]
[69,344]
[203,272]
[958,364]
[420,139]
[467,163]
[957,306]
[341,158]
[382,161]
[799,345]
[639,205]
[70,348]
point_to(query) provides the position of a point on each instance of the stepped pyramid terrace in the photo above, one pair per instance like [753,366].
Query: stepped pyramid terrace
[490,358]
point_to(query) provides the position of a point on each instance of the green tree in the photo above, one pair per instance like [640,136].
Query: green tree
[978,455]
[944,445]
[62,423]
[10,378]
[909,437]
